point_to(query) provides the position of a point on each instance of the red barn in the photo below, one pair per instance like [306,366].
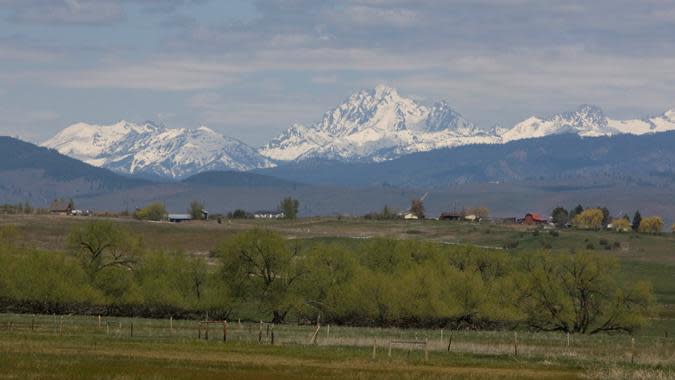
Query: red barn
[534,218]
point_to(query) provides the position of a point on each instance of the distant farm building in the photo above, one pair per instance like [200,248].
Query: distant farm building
[269,215]
[472,218]
[177,218]
[409,216]
[205,215]
[60,206]
[534,218]
[451,216]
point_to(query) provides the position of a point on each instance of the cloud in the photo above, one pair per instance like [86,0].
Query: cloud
[159,75]
[64,11]
[85,12]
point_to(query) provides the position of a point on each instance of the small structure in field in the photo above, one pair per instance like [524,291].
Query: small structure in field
[451,216]
[61,207]
[205,214]
[410,216]
[269,215]
[472,218]
[177,218]
[534,218]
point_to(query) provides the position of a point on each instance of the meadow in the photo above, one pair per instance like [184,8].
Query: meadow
[78,346]
[46,346]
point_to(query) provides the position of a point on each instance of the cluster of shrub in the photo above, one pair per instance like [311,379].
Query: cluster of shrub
[260,275]
[599,218]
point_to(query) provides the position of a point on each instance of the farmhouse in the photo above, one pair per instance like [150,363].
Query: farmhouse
[268,215]
[177,218]
[451,216]
[534,218]
[60,206]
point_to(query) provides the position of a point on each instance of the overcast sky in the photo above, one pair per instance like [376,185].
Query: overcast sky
[250,69]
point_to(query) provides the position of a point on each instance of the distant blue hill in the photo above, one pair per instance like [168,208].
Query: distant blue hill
[35,174]
[566,161]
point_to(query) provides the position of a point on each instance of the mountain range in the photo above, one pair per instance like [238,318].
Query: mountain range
[623,172]
[374,125]
[154,151]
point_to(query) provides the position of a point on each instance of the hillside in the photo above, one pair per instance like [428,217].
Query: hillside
[236,179]
[566,161]
[35,174]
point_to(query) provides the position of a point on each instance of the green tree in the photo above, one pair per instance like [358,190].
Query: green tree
[560,216]
[102,244]
[238,214]
[195,210]
[637,219]
[261,267]
[605,216]
[581,293]
[290,207]
[154,211]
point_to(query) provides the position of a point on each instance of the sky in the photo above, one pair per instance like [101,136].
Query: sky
[250,69]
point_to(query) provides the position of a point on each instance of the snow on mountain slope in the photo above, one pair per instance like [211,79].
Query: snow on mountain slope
[377,125]
[588,121]
[152,150]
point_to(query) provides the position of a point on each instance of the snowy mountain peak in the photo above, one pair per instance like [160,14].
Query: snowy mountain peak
[375,125]
[153,150]
[670,114]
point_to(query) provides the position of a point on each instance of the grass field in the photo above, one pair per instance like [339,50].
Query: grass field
[642,256]
[49,231]
[45,347]
[76,347]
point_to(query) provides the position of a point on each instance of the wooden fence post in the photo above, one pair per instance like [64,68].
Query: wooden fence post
[61,326]
[327,332]
[632,350]
[568,339]
[374,348]
[441,335]
[450,340]
[99,321]
[272,335]
[171,324]
[515,343]
[32,323]
[199,331]
[260,330]
[225,331]
[389,352]
[107,328]
[206,331]
[132,329]
[426,349]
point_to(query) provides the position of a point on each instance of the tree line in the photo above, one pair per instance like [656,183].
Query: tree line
[259,274]
[599,218]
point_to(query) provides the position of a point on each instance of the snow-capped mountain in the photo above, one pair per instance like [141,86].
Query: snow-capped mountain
[153,150]
[588,121]
[377,125]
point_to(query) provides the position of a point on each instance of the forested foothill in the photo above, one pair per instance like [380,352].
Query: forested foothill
[107,268]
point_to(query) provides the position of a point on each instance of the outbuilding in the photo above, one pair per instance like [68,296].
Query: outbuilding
[534,218]
[177,218]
